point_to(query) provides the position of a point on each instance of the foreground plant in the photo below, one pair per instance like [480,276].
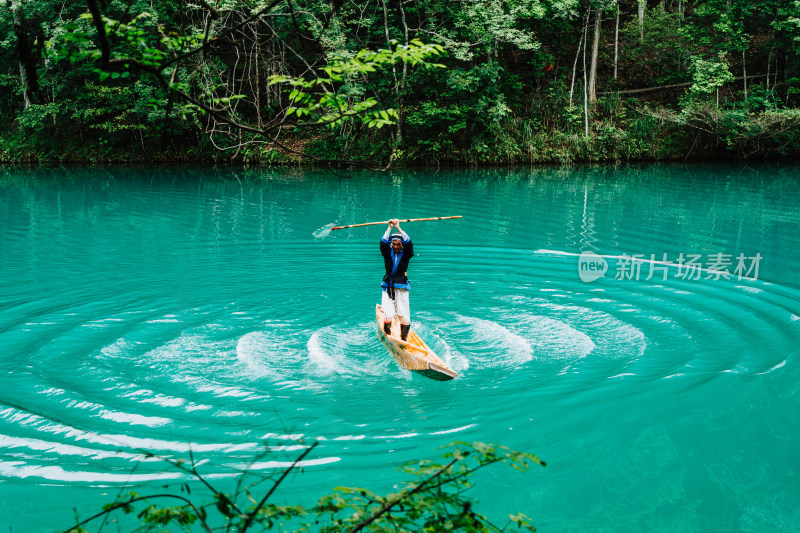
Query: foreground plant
[434,499]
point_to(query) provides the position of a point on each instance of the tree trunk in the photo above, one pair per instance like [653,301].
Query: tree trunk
[616,44]
[744,73]
[165,130]
[777,60]
[27,67]
[595,49]
[257,60]
[400,115]
[585,95]
[786,74]
[575,68]
[769,64]
[399,133]
[578,54]
[641,19]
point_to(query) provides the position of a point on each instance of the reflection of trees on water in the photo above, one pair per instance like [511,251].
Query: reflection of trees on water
[641,209]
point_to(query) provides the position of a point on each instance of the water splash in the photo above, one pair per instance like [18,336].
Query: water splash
[332,349]
[324,231]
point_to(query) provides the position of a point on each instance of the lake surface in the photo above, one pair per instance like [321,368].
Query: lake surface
[165,311]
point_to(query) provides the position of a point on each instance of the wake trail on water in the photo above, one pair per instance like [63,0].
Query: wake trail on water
[342,350]
[505,341]
[493,345]
[270,355]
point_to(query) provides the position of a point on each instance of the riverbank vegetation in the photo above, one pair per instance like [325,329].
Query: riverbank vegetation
[394,82]
[433,499]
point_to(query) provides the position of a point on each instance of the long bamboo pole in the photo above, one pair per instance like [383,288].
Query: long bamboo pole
[386,222]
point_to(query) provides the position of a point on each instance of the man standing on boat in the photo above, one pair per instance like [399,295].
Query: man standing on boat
[397,251]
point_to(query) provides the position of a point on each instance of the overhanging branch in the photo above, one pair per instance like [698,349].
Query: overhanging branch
[672,86]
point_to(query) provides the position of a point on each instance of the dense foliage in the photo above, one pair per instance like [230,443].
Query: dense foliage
[433,499]
[393,81]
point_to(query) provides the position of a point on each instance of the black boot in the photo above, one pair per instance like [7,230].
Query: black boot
[404,331]
[387,328]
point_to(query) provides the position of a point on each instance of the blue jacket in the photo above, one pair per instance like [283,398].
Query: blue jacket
[395,276]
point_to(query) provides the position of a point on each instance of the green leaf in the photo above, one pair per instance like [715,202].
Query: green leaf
[224,505]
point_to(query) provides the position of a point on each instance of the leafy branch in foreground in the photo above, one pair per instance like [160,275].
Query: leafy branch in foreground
[320,97]
[433,500]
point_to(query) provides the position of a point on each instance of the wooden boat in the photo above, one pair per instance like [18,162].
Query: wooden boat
[412,354]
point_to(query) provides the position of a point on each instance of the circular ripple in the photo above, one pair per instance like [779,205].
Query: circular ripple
[143,323]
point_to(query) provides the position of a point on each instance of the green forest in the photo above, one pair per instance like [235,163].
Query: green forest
[382,83]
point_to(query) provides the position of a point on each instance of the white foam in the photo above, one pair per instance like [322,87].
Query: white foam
[291,436]
[40,424]
[60,449]
[506,339]
[324,231]
[18,469]
[165,401]
[134,419]
[752,290]
[600,332]
[191,349]
[401,436]
[776,367]
[496,344]
[52,391]
[341,350]
[269,354]
[150,397]
[322,361]
[556,339]
[454,430]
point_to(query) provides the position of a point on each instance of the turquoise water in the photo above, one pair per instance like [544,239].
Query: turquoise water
[172,310]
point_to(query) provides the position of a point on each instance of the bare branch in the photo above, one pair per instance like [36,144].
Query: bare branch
[255,511]
[143,498]
[257,13]
[386,507]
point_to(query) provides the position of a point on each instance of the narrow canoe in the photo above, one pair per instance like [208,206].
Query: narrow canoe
[414,354]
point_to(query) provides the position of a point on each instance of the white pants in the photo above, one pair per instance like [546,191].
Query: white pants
[399,306]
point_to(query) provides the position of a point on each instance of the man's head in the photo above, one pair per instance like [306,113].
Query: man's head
[397,242]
